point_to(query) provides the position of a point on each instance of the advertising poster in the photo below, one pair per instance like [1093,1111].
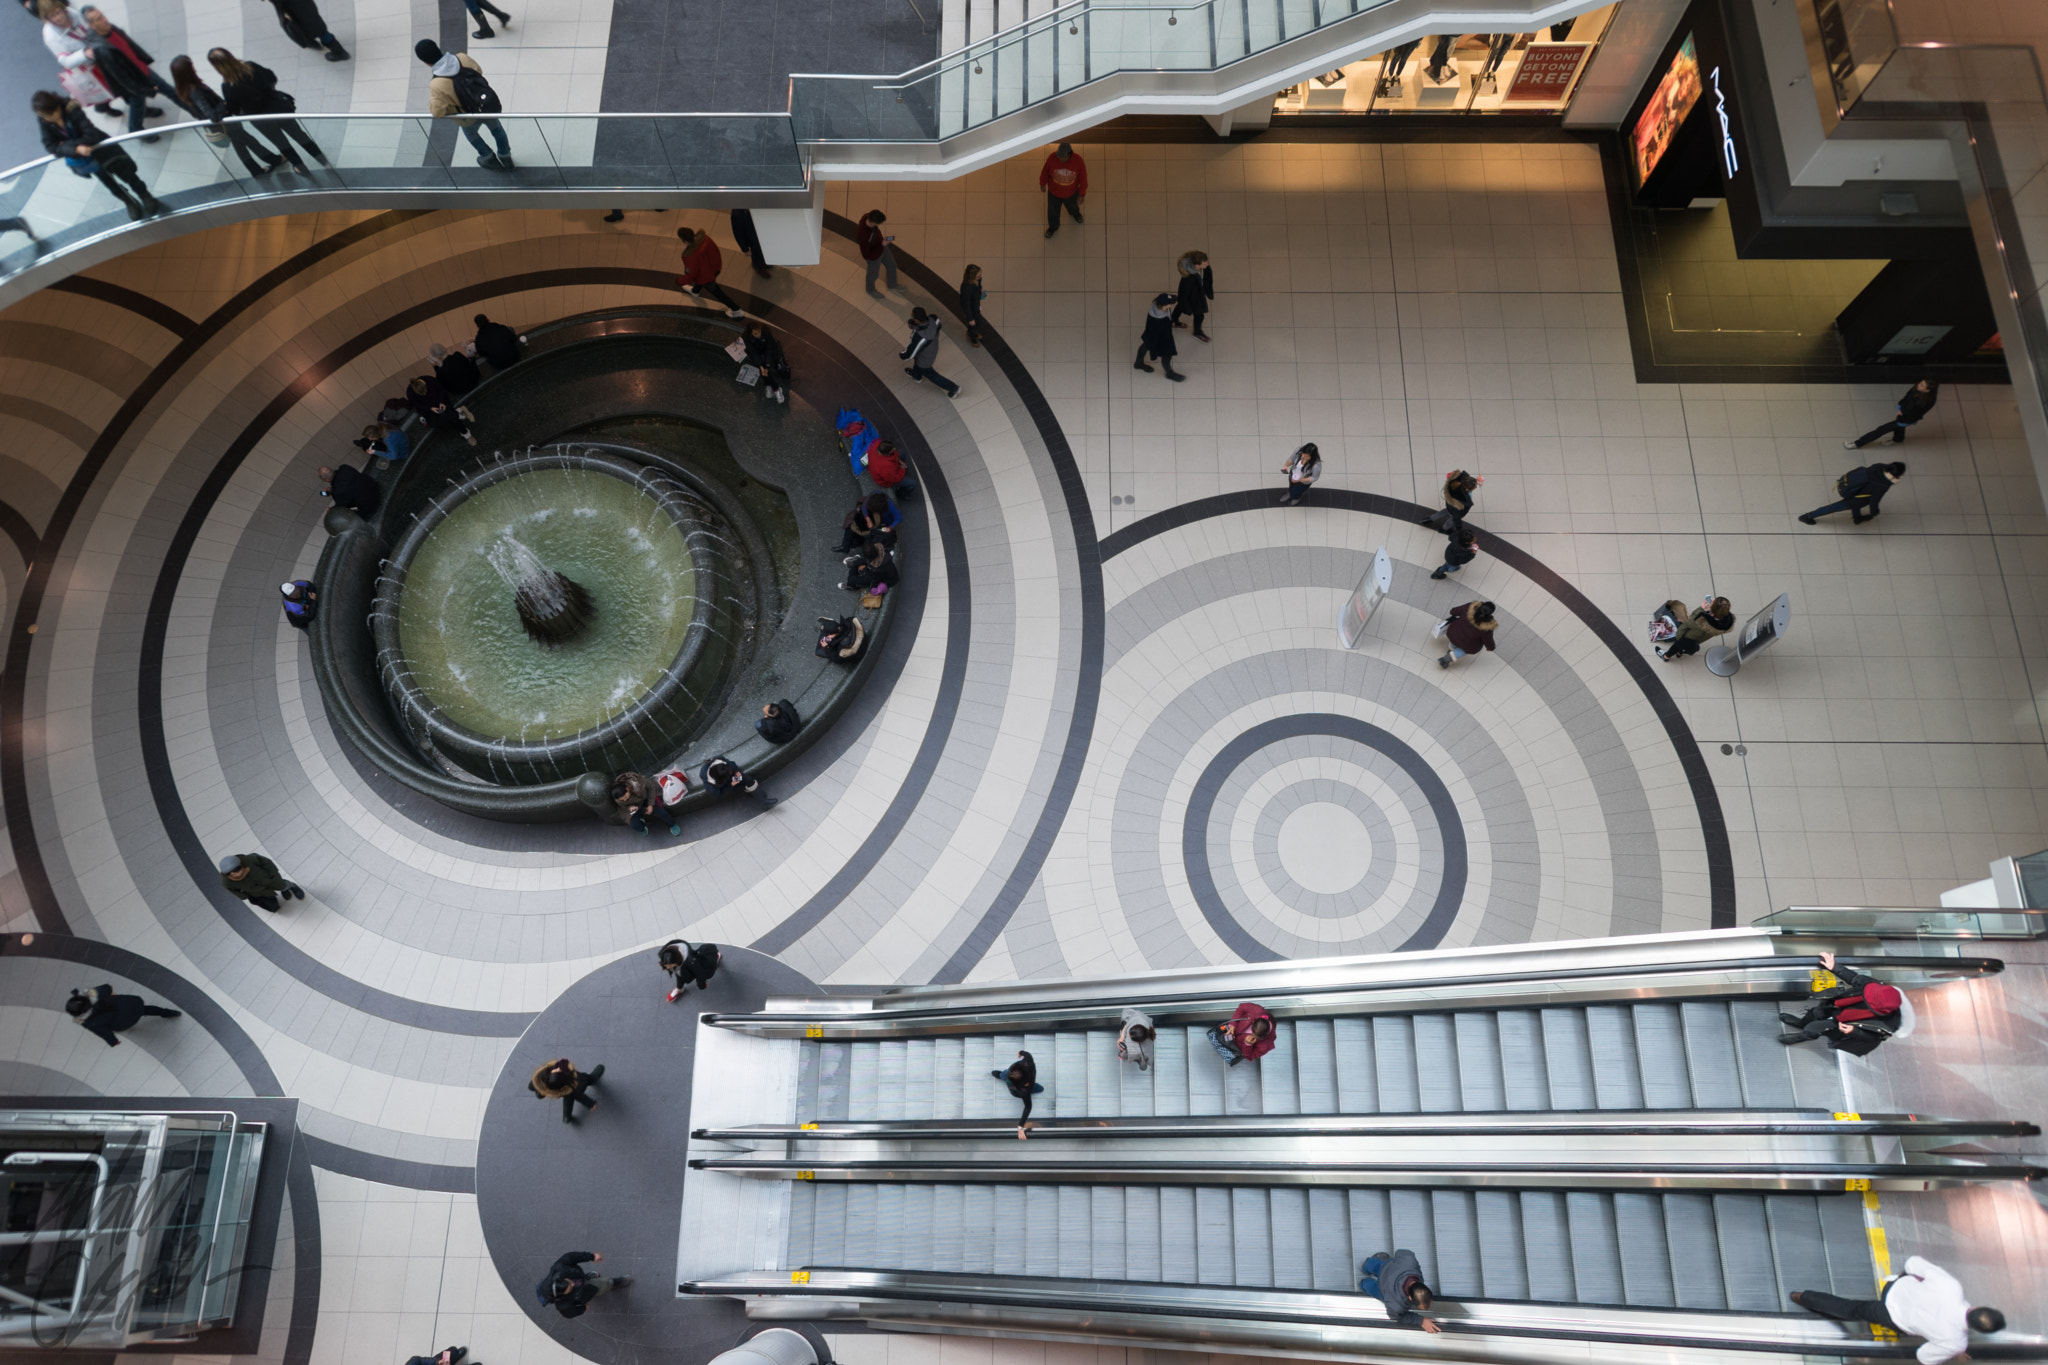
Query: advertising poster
[1546,71]
[1662,117]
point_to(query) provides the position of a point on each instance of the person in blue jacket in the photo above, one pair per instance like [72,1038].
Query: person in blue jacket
[301,602]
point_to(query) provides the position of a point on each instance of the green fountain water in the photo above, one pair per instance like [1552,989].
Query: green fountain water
[460,630]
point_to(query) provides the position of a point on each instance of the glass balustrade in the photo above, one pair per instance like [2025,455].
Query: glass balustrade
[1861,921]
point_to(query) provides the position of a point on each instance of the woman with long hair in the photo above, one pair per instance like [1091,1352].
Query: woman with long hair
[971,296]
[250,88]
[204,101]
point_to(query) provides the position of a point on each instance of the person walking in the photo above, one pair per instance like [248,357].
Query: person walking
[1197,287]
[1469,627]
[972,296]
[456,371]
[923,349]
[568,1288]
[779,722]
[560,1080]
[301,22]
[1925,1302]
[689,965]
[1712,618]
[1855,1014]
[101,1011]
[68,133]
[1460,490]
[1461,550]
[206,103]
[127,68]
[301,603]
[351,488]
[456,89]
[874,248]
[728,778]
[249,89]
[1158,339]
[256,880]
[765,353]
[1064,178]
[746,238]
[1246,1035]
[1134,1041]
[1862,489]
[639,802]
[1020,1078]
[1302,469]
[452,1356]
[496,343]
[701,264]
[1915,404]
[1395,1279]
[70,42]
[483,11]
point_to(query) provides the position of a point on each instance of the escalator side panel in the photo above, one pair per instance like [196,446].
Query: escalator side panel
[980,1096]
[1710,1054]
[1568,1056]
[833,1061]
[892,1235]
[1293,1255]
[807,1084]
[1042,1230]
[1170,1072]
[1695,1252]
[1525,1078]
[1393,1046]
[1596,1246]
[949,1074]
[1617,1072]
[1455,1224]
[1358,1084]
[978,1229]
[1315,1067]
[1482,1087]
[1141,1232]
[1437,1085]
[1413,1218]
[1795,1227]
[1332,1261]
[1843,1234]
[1177,1234]
[1251,1238]
[1747,1269]
[892,1067]
[1012,1230]
[1102,1065]
[1766,1070]
[803,1212]
[1071,1051]
[1546,1233]
[1215,1240]
[1503,1257]
[1076,1258]
[1205,1074]
[1660,1046]
[863,1080]
[1372,1227]
[1646,1259]
[1278,1083]
[828,1226]
[920,1079]
[949,1225]
[1108,1229]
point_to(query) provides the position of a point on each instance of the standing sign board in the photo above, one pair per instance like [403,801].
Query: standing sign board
[1758,633]
[1365,599]
[1546,72]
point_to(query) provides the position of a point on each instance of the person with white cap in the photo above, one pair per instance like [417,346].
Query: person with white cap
[301,602]
[256,880]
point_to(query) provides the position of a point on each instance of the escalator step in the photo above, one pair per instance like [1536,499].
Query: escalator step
[949,1226]
[1278,1073]
[828,1226]
[807,1083]
[981,1096]
[1568,1058]
[1045,1231]
[893,1237]
[1177,1234]
[863,1080]
[1456,1226]
[1525,1078]
[1710,1054]
[1695,1252]
[978,1230]
[1215,1240]
[1547,1236]
[1358,1085]
[803,1211]
[1816,1076]
[859,1247]
[1134,1087]
[1617,1074]
[1251,1238]
[1847,1241]
[1766,1069]
[1205,1074]
[1660,1044]
[1170,1072]
[1372,1226]
[1105,1086]
[1141,1232]
[1796,1244]
[920,1225]
[1013,1230]
[1646,1269]
[920,1078]
[1292,1258]
[1106,1227]
[1315,1067]
[892,1059]
[1437,1087]
[1393,1047]
[949,1075]
[1044,1050]
[1329,1241]
[1412,1218]
[1244,1085]
[1503,1258]
[1070,1099]
[833,1061]
[1482,1087]
[1596,1246]
[1746,1266]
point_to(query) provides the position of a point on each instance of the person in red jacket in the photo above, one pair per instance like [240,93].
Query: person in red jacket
[886,466]
[701,264]
[1249,1033]
[1064,178]
[874,248]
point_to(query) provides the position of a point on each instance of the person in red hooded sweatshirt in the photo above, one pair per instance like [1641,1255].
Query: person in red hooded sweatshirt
[701,264]
[1064,178]
[1247,1035]
[1854,1016]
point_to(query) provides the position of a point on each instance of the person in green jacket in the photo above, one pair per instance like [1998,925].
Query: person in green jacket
[256,879]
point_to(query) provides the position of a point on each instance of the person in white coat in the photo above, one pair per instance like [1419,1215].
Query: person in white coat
[70,42]
[1134,1043]
[1925,1302]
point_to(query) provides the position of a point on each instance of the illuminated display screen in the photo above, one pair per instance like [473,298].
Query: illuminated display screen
[1661,119]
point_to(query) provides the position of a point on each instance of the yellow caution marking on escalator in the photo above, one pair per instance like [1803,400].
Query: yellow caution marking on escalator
[1847,1118]
[1880,1252]
[807,1127]
[1824,980]
[799,1277]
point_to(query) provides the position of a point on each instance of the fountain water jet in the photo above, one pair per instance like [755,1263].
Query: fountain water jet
[553,608]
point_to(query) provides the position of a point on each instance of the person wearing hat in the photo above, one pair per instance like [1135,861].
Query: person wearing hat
[1158,340]
[1854,1015]
[256,880]
[301,602]
[1064,178]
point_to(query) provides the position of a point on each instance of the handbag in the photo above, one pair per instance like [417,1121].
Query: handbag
[83,83]
[1229,1054]
[292,30]
[1443,519]
[1438,631]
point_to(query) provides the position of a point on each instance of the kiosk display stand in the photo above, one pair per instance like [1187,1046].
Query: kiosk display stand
[1758,633]
[1365,599]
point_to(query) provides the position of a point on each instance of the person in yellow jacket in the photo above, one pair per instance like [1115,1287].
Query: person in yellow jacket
[445,100]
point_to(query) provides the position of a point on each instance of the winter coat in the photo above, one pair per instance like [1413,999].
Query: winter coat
[62,138]
[1400,1272]
[1022,1084]
[1197,287]
[1703,626]
[924,345]
[111,1013]
[1467,634]
[498,344]
[1459,501]
[354,489]
[1457,552]
[1237,1031]
[569,1266]
[458,373]
[257,95]
[702,262]
[765,354]
[441,99]
[553,1085]
[1064,179]
[1916,405]
[304,14]
[842,641]
[1137,1053]
[263,878]
[301,612]
[640,793]
[868,237]
[781,727]
[971,296]
[744,238]
[124,63]
[1867,484]
[886,467]
[1159,334]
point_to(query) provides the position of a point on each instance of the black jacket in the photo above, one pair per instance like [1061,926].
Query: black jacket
[1867,483]
[110,1013]
[1020,1086]
[1196,290]
[781,727]
[126,79]
[1456,553]
[744,238]
[305,14]
[1912,407]
[258,94]
[353,488]
[764,353]
[1159,336]
[458,373]
[62,139]
[569,1266]
[971,296]
[498,344]
[864,575]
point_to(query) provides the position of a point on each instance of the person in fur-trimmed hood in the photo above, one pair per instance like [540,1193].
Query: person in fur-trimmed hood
[1469,628]
[560,1080]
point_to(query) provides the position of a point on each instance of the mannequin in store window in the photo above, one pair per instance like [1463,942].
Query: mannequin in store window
[1440,71]
[1498,46]
[1560,32]
[1396,62]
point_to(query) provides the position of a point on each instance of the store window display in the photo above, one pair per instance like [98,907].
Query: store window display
[1459,73]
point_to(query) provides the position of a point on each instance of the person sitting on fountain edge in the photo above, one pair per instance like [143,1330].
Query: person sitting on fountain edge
[726,777]
[842,641]
[351,488]
[642,806]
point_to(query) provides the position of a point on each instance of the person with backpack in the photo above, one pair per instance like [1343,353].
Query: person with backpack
[1855,1014]
[1020,1078]
[1915,404]
[690,966]
[301,603]
[560,1080]
[923,349]
[1862,489]
[568,1288]
[457,89]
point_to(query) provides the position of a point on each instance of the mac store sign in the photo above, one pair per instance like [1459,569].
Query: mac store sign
[1682,140]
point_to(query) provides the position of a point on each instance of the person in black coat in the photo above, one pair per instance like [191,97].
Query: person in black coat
[745,238]
[876,569]
[690,966]
[842,641]
[205,102]
[765,354]
[456,371]
[68,133]
[497,343]
[351,488]
[1917,403]
[1020,1078]
[1158,342]
[301,22]
[249,89]
[128,69]
[1458,553]
[452,1356]
[569,1288]
[779,722]
[1197,287]
[437,409]
[1862,489]
[727,778]
[107,1014]
[972,296]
